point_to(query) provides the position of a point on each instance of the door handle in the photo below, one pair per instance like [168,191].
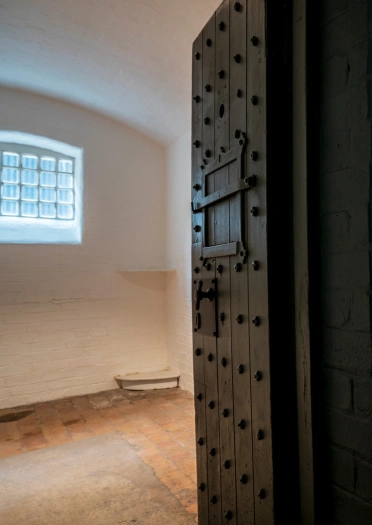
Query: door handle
[199,295]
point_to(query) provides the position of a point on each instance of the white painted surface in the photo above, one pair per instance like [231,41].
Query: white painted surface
[179,257]
[69,321]
[130,59]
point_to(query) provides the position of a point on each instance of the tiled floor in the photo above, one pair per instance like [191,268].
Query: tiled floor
[159,424]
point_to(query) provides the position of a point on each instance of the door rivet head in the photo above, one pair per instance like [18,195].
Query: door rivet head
[199,397]
[208,266]
[224,362]
[221,74]
[214,500]
[255,265]
[208,88]
[197,99]
[211,405]
[254,155]
[198,352]
[237,133]
[197,55]
[260,435]
[219,268]
[238,58]
[256,321]
[222,26]
[254,100]
[238,7]
[210,357]
[238,267]
[207,121]
[227,464]
[241,424]
[254,41]
[258,376]
[197,187]
[239,93]
[202,487]
[197,144]
[254,211]
[196,269]
[212,452]
[244,479]
[241,369]
[239,319]
[228,515]
[209,42]
[200,441]
[197,228]
[261,494]
[208,153]
[225,412]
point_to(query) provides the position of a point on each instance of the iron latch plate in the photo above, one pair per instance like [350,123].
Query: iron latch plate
[205,318]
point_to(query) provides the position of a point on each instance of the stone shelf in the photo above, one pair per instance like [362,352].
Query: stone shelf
[167,378]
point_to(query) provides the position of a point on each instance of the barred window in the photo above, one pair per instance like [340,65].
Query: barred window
[40,186]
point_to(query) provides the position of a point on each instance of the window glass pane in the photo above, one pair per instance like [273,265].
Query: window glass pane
[65,196]
[65,211]
[29,209]
[10,175]
[10,191]
[47,179]
[9,208]
[48,163]
[65,181]
[30,177]
[65,166]
[29,161]
[30,193]
[47,211]
[10,159]
[47,195]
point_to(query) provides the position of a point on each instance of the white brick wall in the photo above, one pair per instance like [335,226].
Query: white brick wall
[69,321]
[179,257]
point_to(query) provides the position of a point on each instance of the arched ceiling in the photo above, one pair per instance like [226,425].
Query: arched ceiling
[129,59]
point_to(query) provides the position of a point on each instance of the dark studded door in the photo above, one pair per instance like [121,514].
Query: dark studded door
[232,365]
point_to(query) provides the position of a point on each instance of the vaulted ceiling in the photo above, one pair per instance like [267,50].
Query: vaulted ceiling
[129,59]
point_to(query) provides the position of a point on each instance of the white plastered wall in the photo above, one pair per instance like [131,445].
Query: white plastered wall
[69,320]
[179,257]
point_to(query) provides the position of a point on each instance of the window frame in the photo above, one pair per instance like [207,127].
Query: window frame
[26,230]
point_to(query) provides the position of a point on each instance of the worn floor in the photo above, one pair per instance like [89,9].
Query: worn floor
[113,457]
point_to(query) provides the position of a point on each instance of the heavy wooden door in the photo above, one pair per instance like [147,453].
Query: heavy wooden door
[232,358]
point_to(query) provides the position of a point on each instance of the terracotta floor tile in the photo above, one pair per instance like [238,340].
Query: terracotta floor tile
[11,448]
[33,443]
[158,424]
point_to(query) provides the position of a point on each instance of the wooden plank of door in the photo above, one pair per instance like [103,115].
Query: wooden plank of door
[222,233]
[201,452]
[197,131]
[221,112]
[213,458]
[209,58]
[199,355]
[239,280]
[208,151]
[258,286]
[198,342]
